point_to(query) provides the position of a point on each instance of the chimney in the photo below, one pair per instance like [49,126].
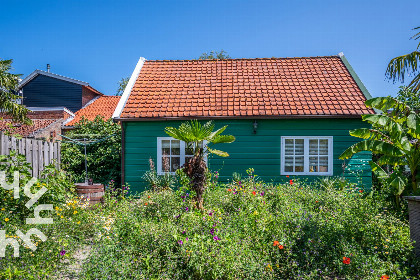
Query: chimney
[48,68]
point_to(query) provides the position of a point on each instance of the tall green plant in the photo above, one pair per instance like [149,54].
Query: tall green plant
[395,136]
[199,138]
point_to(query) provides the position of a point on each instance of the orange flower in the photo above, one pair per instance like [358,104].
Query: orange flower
[287,176]
[145,204]
[361,191]
[276,243]
[316,201]
[384,277]
[254,193]
[229,190]
[281,247]
[291,182]
[346,260]
[148,196]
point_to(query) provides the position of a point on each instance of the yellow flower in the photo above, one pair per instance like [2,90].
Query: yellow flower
[75,212]
[387,240]
[375,247]
[2,209]
[78,222]
[62,217]
[386,252]
[7,219]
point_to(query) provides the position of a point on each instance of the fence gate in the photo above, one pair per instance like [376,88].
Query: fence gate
[38,153]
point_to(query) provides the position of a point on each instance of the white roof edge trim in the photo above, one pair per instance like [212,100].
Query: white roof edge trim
[37,109]
[128,88]
[40,72]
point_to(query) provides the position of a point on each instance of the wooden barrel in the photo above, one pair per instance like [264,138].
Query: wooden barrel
[94,193]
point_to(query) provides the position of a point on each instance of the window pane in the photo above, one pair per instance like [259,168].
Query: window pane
[166,147]
[299,164]
[165,163]
[313,146]
[289,147]
[174,164]
[323,147]
[299,147]
[323,164]
[175,147]
[313,164]
[288,164]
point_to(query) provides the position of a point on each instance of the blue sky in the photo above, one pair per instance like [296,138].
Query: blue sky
[100,41]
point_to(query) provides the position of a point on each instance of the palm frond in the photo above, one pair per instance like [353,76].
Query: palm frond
[403,65]
[218,152]
[223,139]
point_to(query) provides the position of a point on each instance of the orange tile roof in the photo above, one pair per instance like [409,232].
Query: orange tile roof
[267,87]
[102,106]
[25,130]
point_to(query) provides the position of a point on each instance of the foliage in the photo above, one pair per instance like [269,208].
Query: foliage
[409,98]
[8,99]
[157,182]
[252,230]
[395,136]
[408,64]
[198,139]
[215,55]
[103,158]
[122,84]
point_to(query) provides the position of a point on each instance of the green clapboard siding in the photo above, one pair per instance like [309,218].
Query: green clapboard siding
[260,151]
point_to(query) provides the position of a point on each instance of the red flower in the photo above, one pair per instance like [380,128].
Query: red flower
[291,182]
[229,190]
[346,260]
[148,196]
[145,204]
[384,277]
[287,176]
[276,243]
[281,247]
[254,193]
[316,201]
[361,191]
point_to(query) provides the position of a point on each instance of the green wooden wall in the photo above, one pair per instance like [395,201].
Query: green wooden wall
[260,151]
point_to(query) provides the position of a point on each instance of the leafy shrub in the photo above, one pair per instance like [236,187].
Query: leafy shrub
[253,230]
[103,158]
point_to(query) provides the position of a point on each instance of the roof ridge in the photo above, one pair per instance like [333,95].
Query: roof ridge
[256,58]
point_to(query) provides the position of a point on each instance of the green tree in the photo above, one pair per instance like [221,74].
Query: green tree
[8,99]
[408,64]
[409,98]
[122,84]
[215,55]
[198,138]
[103,158]
[395,136]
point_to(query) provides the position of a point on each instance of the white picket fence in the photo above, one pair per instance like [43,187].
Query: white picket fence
[38,153]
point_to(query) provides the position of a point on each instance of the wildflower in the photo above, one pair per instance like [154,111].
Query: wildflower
[145,204]
[291,182]
[384,277]
[215,238]
[276,243]
[62,217]
[212,231]
[254,193]
[346,260]
[229,190]
[78,222]
[63,252]
[210,214]
[75,212]
[287,176]
[184,232]
[281,247]
[361,191]
[180,242]
[262,194]
[7,219]
[2,209]
[148,196]
[186,209]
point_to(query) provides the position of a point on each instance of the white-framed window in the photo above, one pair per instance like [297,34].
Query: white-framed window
[172,154]
[307,155]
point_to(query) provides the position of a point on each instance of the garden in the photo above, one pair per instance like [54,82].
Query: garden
[191,226]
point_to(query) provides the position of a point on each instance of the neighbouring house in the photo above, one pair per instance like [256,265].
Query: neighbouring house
[103,106]
[45,89]
[290,116]
[46,124]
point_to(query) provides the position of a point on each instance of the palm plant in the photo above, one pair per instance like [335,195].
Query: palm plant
[395,136]
[8,99]
[408,64]
[198,138]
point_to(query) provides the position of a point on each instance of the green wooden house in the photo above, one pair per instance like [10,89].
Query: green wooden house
[290,116]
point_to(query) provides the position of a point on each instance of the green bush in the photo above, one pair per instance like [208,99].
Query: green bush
[252,230]
[103,158]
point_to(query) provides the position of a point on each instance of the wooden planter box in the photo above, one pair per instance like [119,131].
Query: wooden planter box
[94,193]
[414,216]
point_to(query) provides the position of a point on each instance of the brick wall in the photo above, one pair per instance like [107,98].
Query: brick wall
[87,95]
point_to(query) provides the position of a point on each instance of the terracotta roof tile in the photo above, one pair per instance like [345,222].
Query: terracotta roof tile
[245,87]
[102,106]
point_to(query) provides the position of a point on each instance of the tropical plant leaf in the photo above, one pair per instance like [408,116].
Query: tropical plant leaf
[403,65]
[390,160]
[218,152]
[216,133]
[373,146]
[379,172]
[223,139]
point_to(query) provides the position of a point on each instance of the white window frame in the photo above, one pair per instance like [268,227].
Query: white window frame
[306,155]
[181,154]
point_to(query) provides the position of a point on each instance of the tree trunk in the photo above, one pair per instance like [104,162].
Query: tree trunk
[199,201]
